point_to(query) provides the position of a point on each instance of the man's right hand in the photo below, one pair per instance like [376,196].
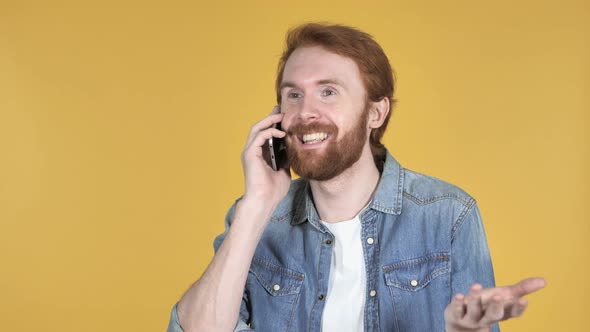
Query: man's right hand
[213,302]
[263,184]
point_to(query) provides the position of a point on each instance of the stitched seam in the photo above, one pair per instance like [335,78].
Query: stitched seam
[292,312]
[465,201]
[315,302]
[394,303]
[378,206]
[376,255]
[279,269]
[461,218]
[282,217]
[415,261]
[284,291]
[420,201]
[424,283]
[400,188]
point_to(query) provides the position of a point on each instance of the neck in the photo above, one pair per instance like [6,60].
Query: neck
[344,196]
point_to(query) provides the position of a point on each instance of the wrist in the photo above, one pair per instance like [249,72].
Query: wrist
[253,213]
[262,203]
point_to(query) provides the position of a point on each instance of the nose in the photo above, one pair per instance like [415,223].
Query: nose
[308,110]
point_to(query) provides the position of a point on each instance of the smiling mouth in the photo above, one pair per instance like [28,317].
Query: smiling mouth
[314,138]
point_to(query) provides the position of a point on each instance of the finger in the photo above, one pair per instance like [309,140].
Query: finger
[261,138]
[474,306]
[456,309]
[494,312]
[518,308]
[276,110]
[527,286]
[263,124]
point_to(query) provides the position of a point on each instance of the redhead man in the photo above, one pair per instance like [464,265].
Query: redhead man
[357,243]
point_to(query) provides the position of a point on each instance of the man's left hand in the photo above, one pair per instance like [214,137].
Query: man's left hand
[482,308]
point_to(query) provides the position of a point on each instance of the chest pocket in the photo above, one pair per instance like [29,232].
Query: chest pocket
[273,292]
[415,274]
[275,279]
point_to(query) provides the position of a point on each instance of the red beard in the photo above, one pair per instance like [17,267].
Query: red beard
[337,155]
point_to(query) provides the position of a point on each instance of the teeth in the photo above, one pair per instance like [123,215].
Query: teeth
[315,137]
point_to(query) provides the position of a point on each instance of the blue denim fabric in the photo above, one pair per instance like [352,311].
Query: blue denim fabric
[428,245]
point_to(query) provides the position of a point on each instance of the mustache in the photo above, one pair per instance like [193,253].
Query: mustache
[299,129]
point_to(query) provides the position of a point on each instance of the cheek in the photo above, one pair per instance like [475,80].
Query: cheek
[287,120]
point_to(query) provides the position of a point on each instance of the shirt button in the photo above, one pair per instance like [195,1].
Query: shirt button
[414,283]
[370,240]
[321,297]
[328,242]
[373,293]
[276,288]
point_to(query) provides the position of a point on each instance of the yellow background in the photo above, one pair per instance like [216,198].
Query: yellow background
[121,125]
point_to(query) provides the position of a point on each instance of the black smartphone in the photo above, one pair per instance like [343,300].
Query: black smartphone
[276,151]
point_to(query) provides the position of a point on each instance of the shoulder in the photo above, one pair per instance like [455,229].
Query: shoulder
[440,201]
[424,189]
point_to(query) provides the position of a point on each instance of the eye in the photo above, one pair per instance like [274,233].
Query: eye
[293,95]
[328,92]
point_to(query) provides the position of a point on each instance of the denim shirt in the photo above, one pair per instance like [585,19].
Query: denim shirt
[423,242]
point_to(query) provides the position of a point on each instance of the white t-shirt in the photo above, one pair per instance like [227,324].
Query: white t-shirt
[345,300]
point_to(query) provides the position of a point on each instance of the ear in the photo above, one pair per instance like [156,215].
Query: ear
[378,112]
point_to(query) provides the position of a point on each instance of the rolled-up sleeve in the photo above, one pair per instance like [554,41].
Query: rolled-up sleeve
[174,324]
[244,316]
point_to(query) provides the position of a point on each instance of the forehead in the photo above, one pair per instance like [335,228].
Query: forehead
[309,65]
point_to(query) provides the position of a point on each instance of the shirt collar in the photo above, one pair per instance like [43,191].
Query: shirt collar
[387,199]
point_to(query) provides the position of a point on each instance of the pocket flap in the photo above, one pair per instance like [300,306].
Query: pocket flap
[277,280]
[414,274]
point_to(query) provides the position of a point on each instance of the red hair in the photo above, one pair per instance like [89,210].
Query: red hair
[376,72]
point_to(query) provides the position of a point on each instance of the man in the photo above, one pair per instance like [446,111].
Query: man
[358,243]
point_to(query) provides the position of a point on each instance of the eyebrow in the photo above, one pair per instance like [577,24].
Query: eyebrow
[335,81]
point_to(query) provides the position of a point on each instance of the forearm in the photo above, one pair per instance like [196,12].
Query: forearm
[213,302]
